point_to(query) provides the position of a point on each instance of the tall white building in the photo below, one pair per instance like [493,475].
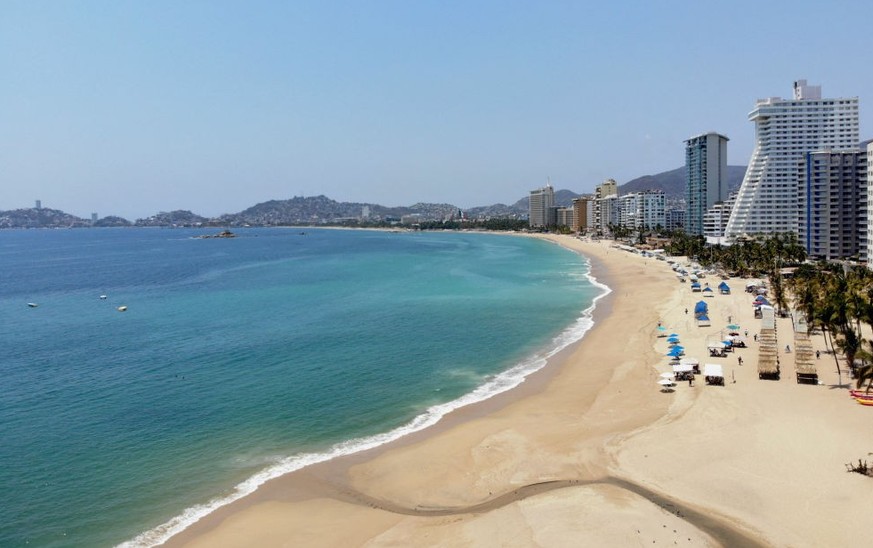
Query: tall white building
[645,210]
[715,219]
[542,203]
[785,129]
[706,177]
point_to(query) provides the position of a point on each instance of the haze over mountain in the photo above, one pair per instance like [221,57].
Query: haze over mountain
[321,209]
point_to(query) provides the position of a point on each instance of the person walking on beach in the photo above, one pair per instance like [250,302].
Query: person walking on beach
[740,360]
[816,354]
[686,311]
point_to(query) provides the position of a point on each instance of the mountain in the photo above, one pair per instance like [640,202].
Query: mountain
[40,218]
[180,217]
[673,182]
[321,210]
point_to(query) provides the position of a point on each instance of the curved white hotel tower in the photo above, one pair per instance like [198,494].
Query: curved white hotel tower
[785,130]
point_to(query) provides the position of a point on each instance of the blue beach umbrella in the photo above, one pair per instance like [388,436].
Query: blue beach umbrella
[673,339]
[674,334]
[662,328]
[733,327]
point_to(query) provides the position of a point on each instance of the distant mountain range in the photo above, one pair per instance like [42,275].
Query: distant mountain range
[323,210]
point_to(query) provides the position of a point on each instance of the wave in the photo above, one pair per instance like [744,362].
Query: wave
[497,384]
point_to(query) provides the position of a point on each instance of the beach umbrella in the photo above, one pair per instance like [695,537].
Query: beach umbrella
[667,375]
[662,328]
[673,339]
[674,334]
[733,327]
[666,382]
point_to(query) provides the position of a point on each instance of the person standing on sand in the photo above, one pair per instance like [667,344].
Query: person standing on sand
[740,360]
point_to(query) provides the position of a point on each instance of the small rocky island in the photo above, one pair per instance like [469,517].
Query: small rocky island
[222,234]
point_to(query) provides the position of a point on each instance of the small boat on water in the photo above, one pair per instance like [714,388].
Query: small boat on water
[102,297]
[32,305]
[122,308]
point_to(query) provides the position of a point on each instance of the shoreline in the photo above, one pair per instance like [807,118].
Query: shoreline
[481,401]
[588,449]
[309,486]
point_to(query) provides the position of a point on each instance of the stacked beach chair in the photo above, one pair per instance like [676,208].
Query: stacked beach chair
[768,354]
[804,359]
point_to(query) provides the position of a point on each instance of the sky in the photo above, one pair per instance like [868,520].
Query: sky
[130,108]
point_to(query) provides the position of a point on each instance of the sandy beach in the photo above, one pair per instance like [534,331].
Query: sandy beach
[589,451]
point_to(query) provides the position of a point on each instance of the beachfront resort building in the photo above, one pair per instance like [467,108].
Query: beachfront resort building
[786,129]
[565,216]
[583,208]
[642,210]
[715,220]
[832,204]
[869,204]
[674,219]
[605,204]
[542,207]
[706,177]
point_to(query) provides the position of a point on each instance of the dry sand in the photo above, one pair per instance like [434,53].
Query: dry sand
[590,452]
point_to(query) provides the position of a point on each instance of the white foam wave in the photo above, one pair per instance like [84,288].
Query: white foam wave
[495,385]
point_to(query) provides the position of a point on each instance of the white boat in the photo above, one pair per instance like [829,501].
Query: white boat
[122,308]
[32,305]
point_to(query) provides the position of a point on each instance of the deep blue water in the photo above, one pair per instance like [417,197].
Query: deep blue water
[241,358]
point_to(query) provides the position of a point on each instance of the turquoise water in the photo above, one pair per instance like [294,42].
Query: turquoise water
[239,359]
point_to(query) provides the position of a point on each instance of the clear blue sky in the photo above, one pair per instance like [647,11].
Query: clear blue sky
[130,108]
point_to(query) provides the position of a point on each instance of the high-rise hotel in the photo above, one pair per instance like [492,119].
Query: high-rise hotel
[785,130]
[705,178]
[542,207]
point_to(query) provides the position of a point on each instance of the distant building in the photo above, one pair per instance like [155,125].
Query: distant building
[869,204]
[784,131]
[365,212]
[609,211]
[603,194]
[542,203]
[716,218]
[565,216]
[642,210]
[93,218]
[39,204]
[832,200]
[411,219]
[706,179]
[583,208]
[674,219]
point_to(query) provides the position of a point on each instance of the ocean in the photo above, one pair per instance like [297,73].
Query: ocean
[239,359]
